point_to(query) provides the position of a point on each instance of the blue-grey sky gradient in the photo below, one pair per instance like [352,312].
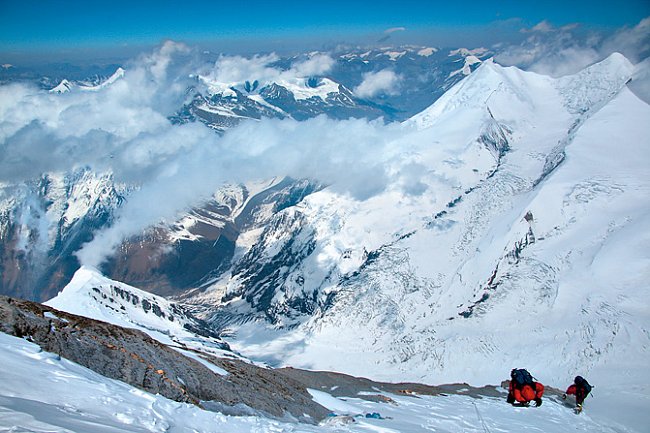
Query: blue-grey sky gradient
[91,27]
[29,23]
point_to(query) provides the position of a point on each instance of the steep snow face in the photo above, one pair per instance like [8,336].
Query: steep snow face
[538,198]
[42,392]
[594,86]
[640,84]
[92,295]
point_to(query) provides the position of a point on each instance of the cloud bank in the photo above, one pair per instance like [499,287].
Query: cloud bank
[352,156]
[124,129]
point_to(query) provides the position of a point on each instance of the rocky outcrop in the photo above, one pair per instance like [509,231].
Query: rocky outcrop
[135,358]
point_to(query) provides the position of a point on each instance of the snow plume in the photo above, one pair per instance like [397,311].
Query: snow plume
[389,32]
[559,51]
[374,83]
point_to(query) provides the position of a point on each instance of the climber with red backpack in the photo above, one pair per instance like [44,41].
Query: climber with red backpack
[523,389]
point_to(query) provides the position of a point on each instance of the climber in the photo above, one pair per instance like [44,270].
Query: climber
[580,389]
[523,389]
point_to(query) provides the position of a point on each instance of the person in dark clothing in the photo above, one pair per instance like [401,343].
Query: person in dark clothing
[580,389]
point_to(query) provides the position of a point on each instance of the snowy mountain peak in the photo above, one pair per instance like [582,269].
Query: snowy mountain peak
[474,91]
[467,66]
[501,89]
[524,229]
[595,85]
[66,85]
[63,87]
[119,73]
[90,294]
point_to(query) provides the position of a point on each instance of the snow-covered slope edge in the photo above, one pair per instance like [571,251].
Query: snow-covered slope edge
[66,86]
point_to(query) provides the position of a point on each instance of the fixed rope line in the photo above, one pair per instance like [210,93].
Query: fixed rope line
[480,418]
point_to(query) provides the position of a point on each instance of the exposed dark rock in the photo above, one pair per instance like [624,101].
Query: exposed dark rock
[135,358]
[342,385]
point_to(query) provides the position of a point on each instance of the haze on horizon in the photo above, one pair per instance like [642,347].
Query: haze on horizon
[33,32]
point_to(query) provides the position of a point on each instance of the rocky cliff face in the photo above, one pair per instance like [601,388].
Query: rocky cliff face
[225,384]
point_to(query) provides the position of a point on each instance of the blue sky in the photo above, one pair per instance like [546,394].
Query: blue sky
[28,25]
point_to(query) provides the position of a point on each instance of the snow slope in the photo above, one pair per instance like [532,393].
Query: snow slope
[526,247]
[43,393]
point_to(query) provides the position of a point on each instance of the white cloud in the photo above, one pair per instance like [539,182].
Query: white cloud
[565,61]
[394,29]
[237,69]
[183,177]
[124,129]
[634,43]
[542,26]
[374,83]
[43,132]
[318,64]
[545,26]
